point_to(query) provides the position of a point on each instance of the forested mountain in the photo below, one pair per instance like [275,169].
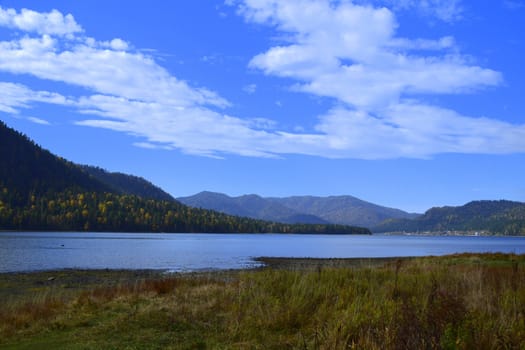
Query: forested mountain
[127,184]
[39,191]
[27,169]
[343,210]
[30,169]
[496,217]
[252,206]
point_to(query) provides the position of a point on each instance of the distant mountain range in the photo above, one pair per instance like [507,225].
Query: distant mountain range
[493,217]
[343,210]
[496,217]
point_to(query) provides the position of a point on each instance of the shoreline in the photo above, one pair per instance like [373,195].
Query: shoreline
[67,282]
[16,284]
[261,262]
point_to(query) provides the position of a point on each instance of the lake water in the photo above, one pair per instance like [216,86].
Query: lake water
[29,251]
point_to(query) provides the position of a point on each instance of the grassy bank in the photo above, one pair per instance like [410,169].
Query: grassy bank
[462,301]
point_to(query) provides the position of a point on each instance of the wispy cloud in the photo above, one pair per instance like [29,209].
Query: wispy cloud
[16,96]
[514,4]
[445,10]
[105,67]
[250,88]
[336,49]
[38,121]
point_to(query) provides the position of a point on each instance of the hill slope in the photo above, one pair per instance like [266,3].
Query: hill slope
[26,168]
[127,184]
[343,210]
[497,217]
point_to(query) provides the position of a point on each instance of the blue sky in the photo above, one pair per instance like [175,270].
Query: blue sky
[409,104]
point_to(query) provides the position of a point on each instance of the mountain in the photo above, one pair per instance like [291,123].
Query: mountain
[252,206]
[342,210]
[127,184]
[26,168]
[40,191]
[496,217]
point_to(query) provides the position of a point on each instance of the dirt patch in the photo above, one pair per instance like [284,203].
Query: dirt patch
[20,285]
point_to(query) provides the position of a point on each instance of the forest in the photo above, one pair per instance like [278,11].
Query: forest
[109,212]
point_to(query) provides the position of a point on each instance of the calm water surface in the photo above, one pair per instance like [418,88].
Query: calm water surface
[27,251]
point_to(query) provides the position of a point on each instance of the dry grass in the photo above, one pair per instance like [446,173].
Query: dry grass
[466,301]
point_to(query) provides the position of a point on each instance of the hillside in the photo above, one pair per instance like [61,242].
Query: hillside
[343,210]
[27,169]
[40,191]
[127,184]
[496,217]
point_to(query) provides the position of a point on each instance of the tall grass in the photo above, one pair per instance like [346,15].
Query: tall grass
[454,302]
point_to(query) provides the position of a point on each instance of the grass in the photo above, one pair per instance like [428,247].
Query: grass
[466,301]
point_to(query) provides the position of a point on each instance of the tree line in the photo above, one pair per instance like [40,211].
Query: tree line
[71,210]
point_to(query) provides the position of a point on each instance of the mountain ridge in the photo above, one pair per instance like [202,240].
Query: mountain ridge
[343,210]
[249,205]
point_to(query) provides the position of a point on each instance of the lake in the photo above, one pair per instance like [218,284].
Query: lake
[30,251]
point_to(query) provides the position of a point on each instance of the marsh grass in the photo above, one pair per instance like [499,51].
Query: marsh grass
[466,301]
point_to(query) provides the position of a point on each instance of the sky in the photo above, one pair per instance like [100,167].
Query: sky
[408,104]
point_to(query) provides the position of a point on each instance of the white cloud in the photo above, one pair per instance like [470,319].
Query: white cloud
[446,42]
[118,44]
[146,145]
[349,52]
[263,123]
[195,130]
[413,130]
[444,10]
[16,96]
[337,49]
[38,121]
[52,23]
[115,72]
